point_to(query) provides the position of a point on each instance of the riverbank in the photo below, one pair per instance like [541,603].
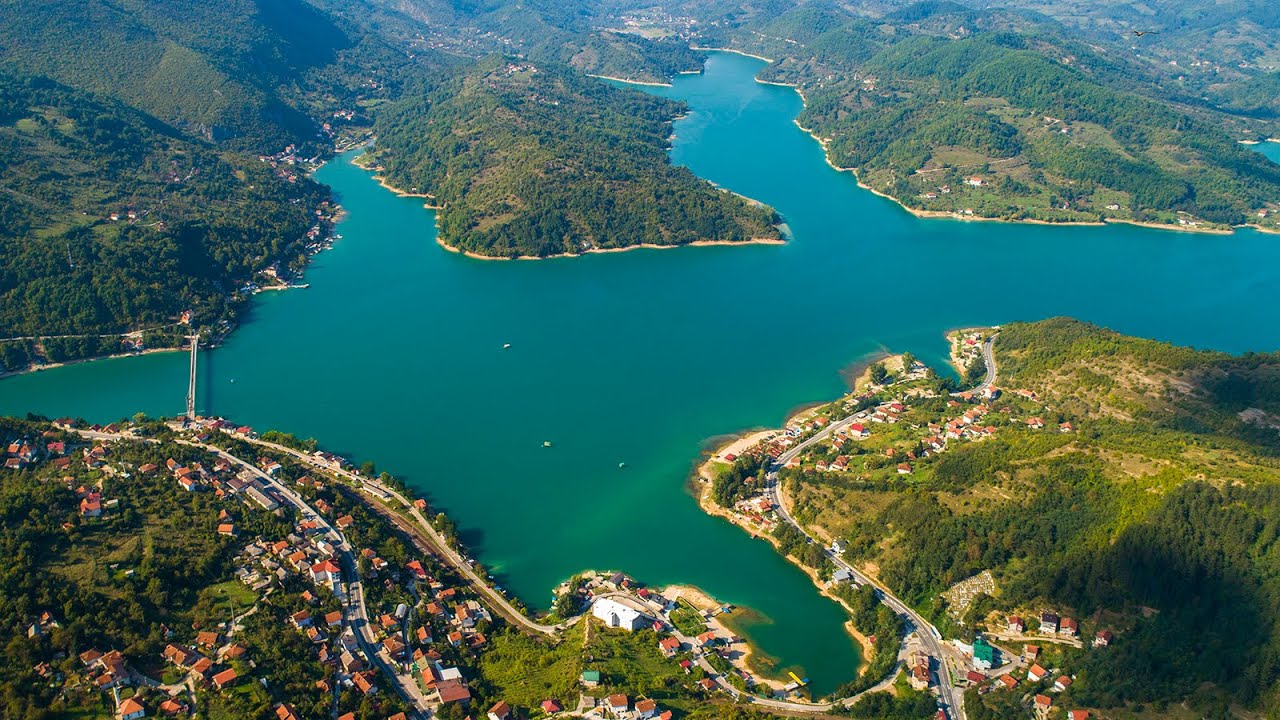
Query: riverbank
[80,361]
[597,251]
[629,81]
[381,180]
[703,492]
[953,215]
[745,657]
[731,50]
[709,506]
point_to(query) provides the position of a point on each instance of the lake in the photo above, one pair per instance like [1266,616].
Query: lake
[395,353]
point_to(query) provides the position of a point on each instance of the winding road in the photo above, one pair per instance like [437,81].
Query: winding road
[930,638]
[429,539]
[355,611]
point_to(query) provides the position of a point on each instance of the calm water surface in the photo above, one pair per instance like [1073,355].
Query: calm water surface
[394,353]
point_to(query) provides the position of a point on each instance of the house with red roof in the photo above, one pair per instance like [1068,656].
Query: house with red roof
[326,572]
[669,646]
[225,679]
[131,709]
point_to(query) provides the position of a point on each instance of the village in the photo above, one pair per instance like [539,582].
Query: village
[895,423]
[413,629]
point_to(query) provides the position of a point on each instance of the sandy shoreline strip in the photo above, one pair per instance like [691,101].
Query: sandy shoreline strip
[731,50]
[629,81]
[50,366]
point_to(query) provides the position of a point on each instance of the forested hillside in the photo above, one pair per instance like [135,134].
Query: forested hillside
[536,160]
[1127,483]
[1000,112]
[113,221]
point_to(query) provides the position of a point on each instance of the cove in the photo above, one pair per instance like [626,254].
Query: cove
[395,354]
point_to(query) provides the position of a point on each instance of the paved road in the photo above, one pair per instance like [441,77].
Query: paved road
[355,611]
[451,556]
[929,636]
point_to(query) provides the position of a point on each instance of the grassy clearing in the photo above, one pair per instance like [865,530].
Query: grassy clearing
[525,670]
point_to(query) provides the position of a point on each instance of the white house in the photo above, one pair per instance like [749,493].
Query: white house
[615,614]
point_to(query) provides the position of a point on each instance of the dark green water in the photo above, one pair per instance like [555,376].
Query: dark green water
[394,353]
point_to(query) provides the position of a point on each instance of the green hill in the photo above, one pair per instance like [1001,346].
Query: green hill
[1058,124]
[537,160]
[1127,483]
[204,220]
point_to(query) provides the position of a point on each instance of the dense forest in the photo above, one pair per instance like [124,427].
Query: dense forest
[533,159]
[191,222]
[919,99]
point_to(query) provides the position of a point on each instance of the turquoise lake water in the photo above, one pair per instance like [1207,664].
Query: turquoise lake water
[394,353]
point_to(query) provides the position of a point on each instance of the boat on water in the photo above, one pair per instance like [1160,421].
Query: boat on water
[506,346]
[546,443]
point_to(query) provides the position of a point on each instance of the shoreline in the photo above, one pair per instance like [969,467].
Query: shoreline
[951,215]
[628,81]
[600,251]
[709,506]
[6,374]
[381,180]
[745,651]
[731,50]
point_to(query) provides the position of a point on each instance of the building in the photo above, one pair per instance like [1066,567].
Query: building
[669,646]
[1049,623]
[591,678]
[1016,626]
[615,614]
[500,711]
[646,709]
[919,677]
[1036,673]
[224,679]
[984,655]
[1103,638]
[131,709]
[618,703]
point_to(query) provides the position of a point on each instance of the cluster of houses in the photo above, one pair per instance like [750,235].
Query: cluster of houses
[619,602]
[223,480]
[1055,629]
[1051,625]
[26,451]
